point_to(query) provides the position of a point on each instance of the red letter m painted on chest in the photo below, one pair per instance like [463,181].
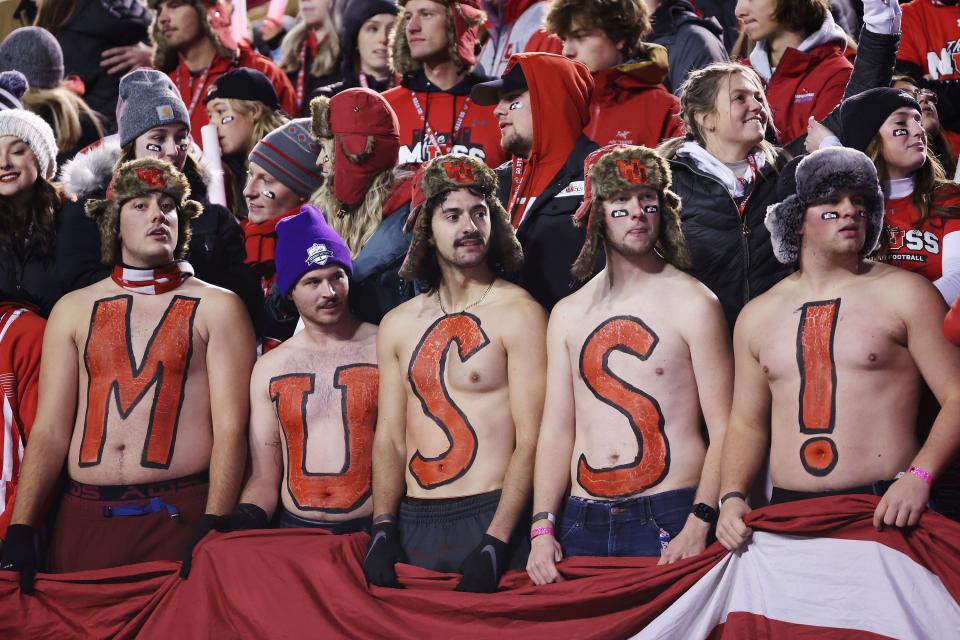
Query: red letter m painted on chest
[113,373]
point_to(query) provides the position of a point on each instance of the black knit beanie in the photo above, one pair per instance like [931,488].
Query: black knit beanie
[862,115]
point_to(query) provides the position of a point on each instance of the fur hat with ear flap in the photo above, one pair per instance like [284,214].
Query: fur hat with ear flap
[215,21]
[440,176]
[132,180]
[816,177]
[615,168]
[464,18]
[367,135]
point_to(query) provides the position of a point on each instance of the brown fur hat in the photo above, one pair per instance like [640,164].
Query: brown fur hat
[616,168]
[438,177]
[215,20]
[134,179]
[464,18]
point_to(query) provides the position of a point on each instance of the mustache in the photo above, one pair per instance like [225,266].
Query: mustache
[470,237]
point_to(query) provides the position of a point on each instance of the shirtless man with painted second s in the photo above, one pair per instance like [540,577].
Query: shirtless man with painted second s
[313,399]
[461,391]
[142,391]
[829,361]
[639,359]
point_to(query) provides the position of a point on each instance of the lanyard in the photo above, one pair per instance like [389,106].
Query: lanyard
[746,181]
[519,177]
[195,90]
[301,75]
[428,135]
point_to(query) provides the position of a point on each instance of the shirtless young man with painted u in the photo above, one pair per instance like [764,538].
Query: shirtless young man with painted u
[142,390]
[313,399]
[829,361]
[461,391]
[639,359]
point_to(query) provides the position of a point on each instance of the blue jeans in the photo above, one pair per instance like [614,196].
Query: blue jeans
[624,528]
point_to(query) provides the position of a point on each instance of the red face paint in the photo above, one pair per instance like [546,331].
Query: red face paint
[426,375]
[112,371]
[818,384]
[347,489]
[629,335]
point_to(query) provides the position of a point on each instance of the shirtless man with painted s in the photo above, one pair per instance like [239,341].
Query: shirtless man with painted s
[461,391]
[313,399]
[829,361]
[639,359]
[142,390]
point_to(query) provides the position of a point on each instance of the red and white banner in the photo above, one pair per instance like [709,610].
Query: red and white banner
[814,569]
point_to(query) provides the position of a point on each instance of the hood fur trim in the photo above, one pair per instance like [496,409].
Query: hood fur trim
[91,170]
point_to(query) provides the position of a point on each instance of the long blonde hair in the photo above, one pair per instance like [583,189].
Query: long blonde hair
[328,53]
[66,109]
[264,119]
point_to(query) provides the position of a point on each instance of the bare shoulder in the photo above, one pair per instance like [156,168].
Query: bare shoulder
[903,291]
[694,294]
[509,300]
[366,332]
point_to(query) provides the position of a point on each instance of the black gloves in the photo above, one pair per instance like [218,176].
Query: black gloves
[385,551]
[482,568]
[245,516]
[207,523]
[19,554]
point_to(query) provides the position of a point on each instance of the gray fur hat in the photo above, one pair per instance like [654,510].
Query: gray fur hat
[818,176]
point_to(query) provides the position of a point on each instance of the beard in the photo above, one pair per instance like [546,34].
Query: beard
[517,145]
[630,250]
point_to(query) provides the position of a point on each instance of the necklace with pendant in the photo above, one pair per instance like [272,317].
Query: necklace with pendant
[469,306]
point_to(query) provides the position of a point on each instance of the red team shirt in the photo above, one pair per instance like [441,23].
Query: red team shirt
[916,249]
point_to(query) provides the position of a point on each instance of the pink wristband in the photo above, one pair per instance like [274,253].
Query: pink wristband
[923,474]
[540,531]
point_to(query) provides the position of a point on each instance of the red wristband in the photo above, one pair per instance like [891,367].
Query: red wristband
[540,531]
[923,474]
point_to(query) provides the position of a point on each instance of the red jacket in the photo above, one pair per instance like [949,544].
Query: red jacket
[193,93]
[631,105]
[21,337]
[805,83]
[478,135]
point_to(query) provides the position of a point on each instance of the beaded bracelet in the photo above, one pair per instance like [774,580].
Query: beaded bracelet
[540,531]
[923,474]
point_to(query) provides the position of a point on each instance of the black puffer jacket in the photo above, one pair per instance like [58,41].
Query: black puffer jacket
[730,254]
[94,27]
[216,248]
[692,42]
[26,275]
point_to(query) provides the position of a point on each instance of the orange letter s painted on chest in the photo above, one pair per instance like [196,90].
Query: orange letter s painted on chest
[347,489]
[112,373]
[630,335]
[426,375]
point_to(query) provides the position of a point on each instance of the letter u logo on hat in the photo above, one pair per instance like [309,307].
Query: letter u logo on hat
[632,170]
[458,171]
[151,176]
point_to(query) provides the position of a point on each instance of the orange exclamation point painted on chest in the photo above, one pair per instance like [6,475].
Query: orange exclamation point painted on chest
[818,384]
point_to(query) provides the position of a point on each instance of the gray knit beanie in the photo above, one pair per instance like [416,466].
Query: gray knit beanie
[289,153]
[33,130]
[13,85]
[148,99]
[35,53]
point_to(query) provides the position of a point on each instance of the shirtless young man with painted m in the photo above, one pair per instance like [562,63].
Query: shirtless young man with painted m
[313,399]
[461,390]
[639,359]
[142,390]
[829,361]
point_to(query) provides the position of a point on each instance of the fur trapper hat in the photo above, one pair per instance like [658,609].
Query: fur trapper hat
[464,18]
[215,21]
[615,168]
[816,177]
[440,176]
[134,179]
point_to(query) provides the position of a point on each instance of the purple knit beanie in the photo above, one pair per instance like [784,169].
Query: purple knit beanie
[306,242]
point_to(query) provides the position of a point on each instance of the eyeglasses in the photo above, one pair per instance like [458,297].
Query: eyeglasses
[924,95]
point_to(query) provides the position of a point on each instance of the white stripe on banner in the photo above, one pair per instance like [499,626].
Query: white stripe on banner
[825,582]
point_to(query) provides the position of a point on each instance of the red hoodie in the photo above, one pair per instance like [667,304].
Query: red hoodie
[193,92]
[478,134]
[560,100]
[631,105]
[21,337]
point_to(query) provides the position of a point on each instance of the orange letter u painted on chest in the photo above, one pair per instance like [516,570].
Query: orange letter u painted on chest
[426,375]
[630,335]
[347,489]
[112,373]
